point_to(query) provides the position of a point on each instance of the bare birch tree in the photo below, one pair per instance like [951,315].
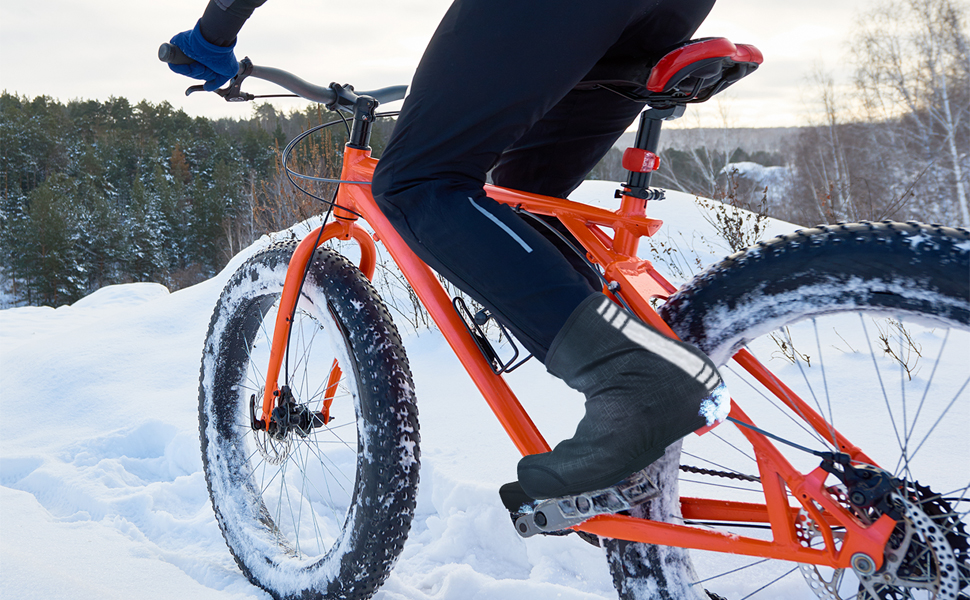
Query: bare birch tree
[913,69]
[822,157]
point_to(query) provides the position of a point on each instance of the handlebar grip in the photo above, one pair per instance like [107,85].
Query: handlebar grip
[172,54]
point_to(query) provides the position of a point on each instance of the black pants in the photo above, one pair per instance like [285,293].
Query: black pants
[495,90]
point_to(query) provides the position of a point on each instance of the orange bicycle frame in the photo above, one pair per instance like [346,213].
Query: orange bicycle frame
[637,282]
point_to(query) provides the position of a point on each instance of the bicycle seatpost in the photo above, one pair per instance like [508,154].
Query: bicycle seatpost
[642,160]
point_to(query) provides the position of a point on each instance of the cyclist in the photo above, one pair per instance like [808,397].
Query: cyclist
[496,91]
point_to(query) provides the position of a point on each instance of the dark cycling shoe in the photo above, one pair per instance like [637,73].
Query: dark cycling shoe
[643,390]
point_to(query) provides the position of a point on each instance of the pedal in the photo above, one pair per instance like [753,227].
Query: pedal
[557,514]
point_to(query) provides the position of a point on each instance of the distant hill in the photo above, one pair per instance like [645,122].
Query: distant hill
[750,139]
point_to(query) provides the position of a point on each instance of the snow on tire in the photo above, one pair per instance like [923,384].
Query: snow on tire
[868,323]
[321,510]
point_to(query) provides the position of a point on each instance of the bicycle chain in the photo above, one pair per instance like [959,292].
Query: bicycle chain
[725,474]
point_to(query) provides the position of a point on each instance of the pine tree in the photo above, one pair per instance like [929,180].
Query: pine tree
[47,259]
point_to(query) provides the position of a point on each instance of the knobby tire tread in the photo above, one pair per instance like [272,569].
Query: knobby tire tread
[893,267]
[386,498]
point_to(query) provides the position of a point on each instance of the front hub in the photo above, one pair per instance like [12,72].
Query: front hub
[288,416]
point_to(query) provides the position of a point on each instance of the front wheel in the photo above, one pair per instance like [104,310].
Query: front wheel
[868,323]
[319,504]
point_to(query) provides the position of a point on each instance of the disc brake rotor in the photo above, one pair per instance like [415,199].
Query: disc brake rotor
[927,554]
[274,449]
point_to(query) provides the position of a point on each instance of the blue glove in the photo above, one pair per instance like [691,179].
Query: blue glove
[215,64]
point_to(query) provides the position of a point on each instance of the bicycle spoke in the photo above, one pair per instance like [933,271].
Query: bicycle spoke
[323,460]
[926,390]
[902,395]
[298,524]
[808,384]
[747,566]
[960,516]
[318,534]
[348,424]
[279,498]
[253,455]
[268,340]
[745,454]
[349,447]
[771,400]
[770,583]
[885,396]
[265,487]
[332,504]
[304,354]
[285,489]
[309,502]
[940,418]
[825,385]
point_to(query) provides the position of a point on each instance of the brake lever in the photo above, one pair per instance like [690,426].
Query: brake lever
[233,92]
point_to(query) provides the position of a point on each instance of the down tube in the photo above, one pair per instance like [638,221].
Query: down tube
[513,418]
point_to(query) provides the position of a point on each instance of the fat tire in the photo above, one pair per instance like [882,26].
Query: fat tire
[384,495]
[888,267]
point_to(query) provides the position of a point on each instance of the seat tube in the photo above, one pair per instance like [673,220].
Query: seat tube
[648,138]
[636,190]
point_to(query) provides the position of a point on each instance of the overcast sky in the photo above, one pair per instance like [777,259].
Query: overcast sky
[100,48]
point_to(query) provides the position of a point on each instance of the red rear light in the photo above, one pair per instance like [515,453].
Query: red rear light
[640,161]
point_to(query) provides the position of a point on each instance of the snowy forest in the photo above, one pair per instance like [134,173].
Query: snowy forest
[97,193]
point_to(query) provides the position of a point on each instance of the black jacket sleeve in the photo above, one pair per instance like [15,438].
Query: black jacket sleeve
[223,19]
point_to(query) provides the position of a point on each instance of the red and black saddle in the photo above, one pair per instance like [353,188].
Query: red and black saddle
[691,72]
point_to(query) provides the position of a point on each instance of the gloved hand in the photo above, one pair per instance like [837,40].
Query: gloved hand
[215,64]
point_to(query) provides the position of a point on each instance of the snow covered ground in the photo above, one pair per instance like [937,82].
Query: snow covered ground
[103,494]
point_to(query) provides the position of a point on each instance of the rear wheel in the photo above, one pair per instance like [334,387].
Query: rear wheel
[319,505]
[868,323]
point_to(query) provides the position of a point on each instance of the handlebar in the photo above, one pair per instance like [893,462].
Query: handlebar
[334,96]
